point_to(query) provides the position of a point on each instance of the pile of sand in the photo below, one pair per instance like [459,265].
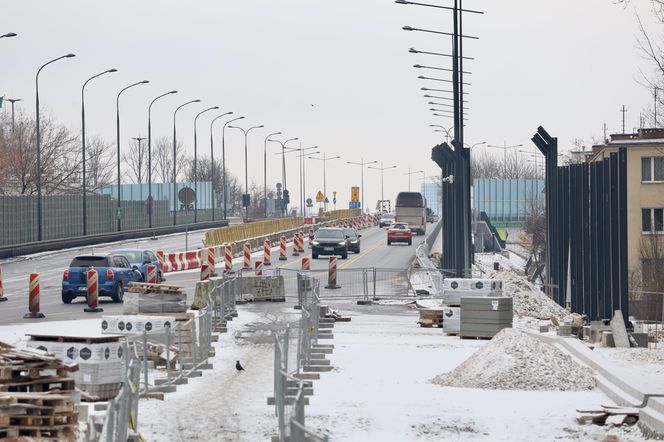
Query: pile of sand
[515,360]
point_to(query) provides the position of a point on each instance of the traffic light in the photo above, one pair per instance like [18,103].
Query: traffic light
[286,197]
[246,198]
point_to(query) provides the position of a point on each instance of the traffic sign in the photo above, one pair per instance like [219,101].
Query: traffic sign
[320,197]
[119,213]
[353,204]
[355,193]
[310,202]
[334,200]
[327,200]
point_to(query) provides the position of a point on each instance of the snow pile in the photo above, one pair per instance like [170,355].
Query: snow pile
[514,360]
[527,299]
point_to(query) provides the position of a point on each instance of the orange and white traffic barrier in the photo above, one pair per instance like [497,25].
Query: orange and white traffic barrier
[33,298]
[282,248]
[332,274]
[2,290]
[259,268]
[306,263]
[211,260]
[267,250]
[93,292]
[247,255]
[228,258]
[296,245]
[300,234]
[151,271]
[205,272]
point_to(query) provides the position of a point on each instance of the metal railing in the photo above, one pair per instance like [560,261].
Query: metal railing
[289,390]
[191,340]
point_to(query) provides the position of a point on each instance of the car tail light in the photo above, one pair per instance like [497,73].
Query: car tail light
[65,275]
[109,274]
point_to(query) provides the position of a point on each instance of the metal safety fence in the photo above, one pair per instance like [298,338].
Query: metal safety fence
[184,351]
[292,354]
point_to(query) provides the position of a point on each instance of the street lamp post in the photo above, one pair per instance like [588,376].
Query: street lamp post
[85,212]
[324,160]
[362,164]
[303,175]
[140,165]
[150,202]
[411,173]
[283,165]
[196,160]
[246,165]
[117,122]
[223,160]
[382,169]
[265,167]
[38,136]
[175,159]
[12,101]
[212,174]
[444,130]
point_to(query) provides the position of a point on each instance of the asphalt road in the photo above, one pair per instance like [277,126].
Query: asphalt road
[50,266]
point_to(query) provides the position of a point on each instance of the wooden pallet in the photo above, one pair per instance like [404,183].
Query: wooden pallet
[144,287]
[75,339]
[429,324]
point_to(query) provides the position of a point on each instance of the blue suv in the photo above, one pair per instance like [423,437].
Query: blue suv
[114,275]
[141,259]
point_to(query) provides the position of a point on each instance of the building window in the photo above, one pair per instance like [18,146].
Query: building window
[652,220]
[652,169]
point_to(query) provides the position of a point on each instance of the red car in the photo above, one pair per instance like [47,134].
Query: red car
[399,232]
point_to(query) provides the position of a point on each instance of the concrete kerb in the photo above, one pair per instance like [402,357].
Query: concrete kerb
[618,384]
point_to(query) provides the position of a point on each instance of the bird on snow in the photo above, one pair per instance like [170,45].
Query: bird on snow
[238,367]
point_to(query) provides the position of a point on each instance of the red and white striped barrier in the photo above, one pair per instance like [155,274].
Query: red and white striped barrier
[332,274]
[205,272]
[300,234]
[228,257]
[212,260]
[247,255]
[311,237]
[151,274]
[267,251]
[259,268]
[2,290]
[306,263]
[93,292]
[282,248]
[33,298]
[296,245]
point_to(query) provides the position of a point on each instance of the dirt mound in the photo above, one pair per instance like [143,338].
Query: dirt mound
[515,360]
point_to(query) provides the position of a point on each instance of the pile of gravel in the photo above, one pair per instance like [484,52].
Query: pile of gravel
[528,300]
[514,360]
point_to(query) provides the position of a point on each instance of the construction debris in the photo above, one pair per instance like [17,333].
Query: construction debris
[431,317]
[36,396]
[615,416]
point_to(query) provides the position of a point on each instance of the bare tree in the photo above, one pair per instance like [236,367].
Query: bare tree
[162,159]
[510,166]
[100,163]
[647,285]
[60,157]
[136,162]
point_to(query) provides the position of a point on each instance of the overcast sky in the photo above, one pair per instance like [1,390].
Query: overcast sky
[568,65]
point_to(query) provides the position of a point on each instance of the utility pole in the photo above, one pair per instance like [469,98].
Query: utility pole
[605,131]
[623,110]
[656,107]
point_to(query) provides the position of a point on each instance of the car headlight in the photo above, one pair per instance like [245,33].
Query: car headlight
[342,243]
[354,241]
[315,243]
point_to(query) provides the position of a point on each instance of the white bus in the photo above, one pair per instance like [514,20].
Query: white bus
[411,208]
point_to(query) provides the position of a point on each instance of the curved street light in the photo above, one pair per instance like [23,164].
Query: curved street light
[196,159]
[118,214]
[38,123]
[246,164]
[382,169]
[175,159]
[283,165]
[212,159]
[362,164]
[265,168]
[85,212]
[150,155]
[223,159]
[324,160]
